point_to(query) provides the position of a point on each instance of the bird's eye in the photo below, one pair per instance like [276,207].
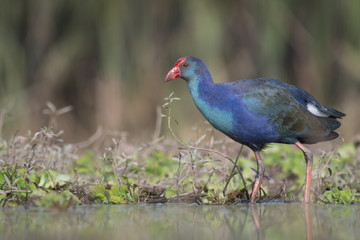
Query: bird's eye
[185,65]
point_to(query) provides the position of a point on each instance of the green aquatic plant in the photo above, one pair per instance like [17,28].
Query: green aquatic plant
[16,185]
[337,195]
[114,194]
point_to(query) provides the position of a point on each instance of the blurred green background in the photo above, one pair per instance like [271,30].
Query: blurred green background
[108,59]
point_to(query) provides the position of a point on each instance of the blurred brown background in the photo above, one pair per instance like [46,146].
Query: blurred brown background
[108,59]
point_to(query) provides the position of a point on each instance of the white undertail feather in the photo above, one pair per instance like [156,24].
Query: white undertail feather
[314,110]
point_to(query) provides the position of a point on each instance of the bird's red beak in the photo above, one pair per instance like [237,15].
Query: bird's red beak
[175,71]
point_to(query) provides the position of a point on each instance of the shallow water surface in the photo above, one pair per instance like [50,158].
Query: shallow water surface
[184,221]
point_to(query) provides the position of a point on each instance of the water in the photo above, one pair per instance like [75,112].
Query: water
[184,221]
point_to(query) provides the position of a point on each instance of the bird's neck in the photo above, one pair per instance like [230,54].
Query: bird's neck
[197,83]
[202,90]
[208,98]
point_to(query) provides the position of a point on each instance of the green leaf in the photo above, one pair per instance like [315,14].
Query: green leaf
[38,192]
[62,179]
[46,181]
[170,192]
[336,196]
[116,199]
[2,196]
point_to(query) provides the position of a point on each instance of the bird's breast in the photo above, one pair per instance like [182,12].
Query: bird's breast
[221,119]
[212,108]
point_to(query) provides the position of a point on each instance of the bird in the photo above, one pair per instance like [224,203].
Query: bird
[258,112]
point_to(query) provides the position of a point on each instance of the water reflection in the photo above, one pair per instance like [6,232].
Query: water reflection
[256,220]
[307,221]
[260,230]
[184,221]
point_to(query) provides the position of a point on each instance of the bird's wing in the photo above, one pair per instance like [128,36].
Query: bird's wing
[308,101]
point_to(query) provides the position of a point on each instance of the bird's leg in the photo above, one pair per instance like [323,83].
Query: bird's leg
[309,162]
[258,178]
[239,171]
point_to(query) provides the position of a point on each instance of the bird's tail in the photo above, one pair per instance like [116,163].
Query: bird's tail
[330,123]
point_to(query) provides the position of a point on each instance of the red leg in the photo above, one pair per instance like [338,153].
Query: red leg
[309,162]
[258,178]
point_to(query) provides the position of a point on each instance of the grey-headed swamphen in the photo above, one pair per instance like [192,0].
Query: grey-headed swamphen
[256,112]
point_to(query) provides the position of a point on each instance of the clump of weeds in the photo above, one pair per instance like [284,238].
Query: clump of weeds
[39,169]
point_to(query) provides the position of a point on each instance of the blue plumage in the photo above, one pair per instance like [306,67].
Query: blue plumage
[256,112]
[223,106]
